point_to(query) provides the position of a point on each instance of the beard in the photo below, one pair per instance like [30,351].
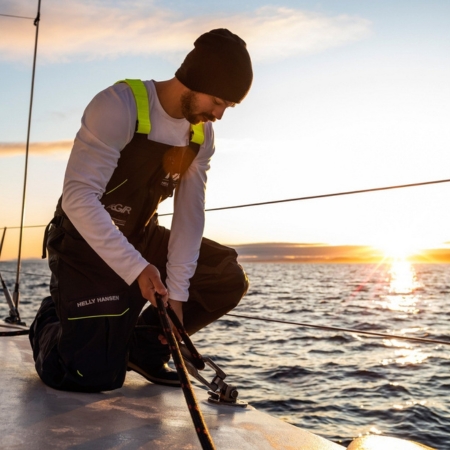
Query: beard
[189,109]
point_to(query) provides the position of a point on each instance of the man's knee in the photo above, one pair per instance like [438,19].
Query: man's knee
[238,283]
[244,282]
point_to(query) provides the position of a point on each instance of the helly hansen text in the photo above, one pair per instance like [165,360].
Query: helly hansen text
[110,298]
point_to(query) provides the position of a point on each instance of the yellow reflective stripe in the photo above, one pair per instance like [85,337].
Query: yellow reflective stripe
[104,315]
[198,137]
[142,106]
[117,187]
[79,373]
[143,112]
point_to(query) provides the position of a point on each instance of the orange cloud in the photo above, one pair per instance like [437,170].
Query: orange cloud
[36,148]
[86,30]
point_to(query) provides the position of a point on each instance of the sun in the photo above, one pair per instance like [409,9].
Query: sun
[398,249]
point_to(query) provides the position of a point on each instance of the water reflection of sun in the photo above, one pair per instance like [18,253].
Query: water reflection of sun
[403,278]
[402,287]
[404,353]
[400,292]
[403,296]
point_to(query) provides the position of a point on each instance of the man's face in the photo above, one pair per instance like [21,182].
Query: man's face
[198,107]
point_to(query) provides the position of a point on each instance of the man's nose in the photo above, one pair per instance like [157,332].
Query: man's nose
[219,111]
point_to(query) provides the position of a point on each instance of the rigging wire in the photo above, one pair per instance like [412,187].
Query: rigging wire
[28,273]
[17,17]
[16,287]
[359,191]
[26,226]
[311,197]
[348,330]
[301,324]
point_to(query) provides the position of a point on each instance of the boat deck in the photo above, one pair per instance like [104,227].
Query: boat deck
[140,415]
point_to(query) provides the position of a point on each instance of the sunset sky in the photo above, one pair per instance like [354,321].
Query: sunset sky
[347,95]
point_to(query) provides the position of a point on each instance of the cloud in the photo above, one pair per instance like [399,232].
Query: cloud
[84,30]
[36,148]
[277,33]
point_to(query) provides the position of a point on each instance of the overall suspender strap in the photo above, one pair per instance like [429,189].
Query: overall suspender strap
[143,112]
[142,107]
[197,135]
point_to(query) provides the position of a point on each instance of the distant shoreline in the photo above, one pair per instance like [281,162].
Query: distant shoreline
[328,254]
[340,261]
[274,252]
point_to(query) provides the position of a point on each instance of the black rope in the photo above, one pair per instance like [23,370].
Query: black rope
[196,414]
[348,330]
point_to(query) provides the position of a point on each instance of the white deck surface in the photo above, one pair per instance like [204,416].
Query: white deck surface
[385,443]
[140,415]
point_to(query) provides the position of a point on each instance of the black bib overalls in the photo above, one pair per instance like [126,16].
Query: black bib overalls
[82,334]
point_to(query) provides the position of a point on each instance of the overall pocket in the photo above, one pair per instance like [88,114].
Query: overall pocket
[94,338]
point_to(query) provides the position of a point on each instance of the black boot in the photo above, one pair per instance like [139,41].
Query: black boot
[148,356]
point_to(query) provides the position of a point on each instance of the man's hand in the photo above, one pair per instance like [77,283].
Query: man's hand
[150,282]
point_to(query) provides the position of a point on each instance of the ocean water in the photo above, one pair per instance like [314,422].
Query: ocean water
[337,384]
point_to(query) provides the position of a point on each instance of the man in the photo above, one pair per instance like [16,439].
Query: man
[138,143]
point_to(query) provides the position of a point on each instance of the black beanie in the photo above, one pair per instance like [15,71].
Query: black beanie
[219,65]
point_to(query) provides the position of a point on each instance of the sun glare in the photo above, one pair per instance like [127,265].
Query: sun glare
[397,249]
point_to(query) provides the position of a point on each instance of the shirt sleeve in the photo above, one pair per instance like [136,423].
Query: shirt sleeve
[106,127]
[188,221]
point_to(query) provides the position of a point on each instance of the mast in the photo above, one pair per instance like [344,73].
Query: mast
[16,295]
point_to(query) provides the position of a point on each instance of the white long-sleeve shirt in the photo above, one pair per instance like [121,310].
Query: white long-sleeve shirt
[107,126]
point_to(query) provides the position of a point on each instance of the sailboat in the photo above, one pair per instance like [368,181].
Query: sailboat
[139,415]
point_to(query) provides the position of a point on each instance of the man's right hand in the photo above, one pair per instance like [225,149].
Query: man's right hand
[150,282]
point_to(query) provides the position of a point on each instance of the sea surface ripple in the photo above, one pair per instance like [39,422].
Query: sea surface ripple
[337,384]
